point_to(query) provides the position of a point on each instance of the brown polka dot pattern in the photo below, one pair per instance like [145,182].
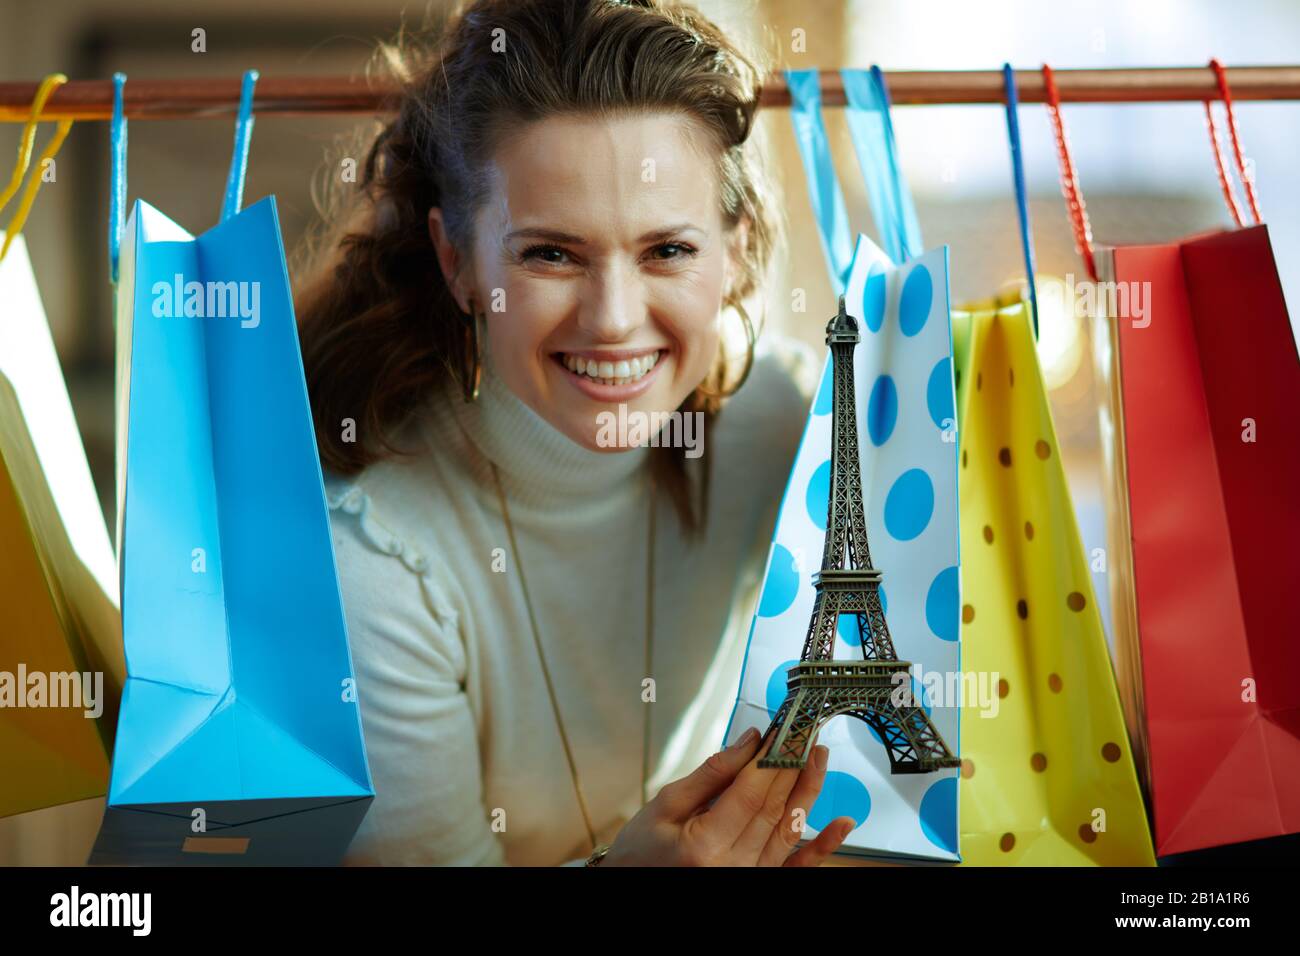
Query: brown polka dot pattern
[1051,630]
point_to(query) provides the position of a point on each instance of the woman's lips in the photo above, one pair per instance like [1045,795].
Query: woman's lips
[609,392]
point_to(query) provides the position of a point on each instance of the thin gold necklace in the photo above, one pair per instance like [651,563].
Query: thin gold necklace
[546,672]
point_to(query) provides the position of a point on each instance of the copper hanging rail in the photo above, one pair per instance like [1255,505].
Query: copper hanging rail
[299,96]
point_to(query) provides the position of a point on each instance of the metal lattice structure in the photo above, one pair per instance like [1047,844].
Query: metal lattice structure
[820,687]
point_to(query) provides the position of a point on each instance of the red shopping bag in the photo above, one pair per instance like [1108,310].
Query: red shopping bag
[1209,386]
[1204,449]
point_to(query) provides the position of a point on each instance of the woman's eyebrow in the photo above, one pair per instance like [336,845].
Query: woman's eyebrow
[552,234]
[667,231]
[555,235]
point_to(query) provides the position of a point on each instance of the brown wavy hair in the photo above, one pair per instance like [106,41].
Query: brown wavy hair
[379,326]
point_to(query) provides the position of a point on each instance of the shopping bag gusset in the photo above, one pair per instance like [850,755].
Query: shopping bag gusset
[907,461]
[239,739]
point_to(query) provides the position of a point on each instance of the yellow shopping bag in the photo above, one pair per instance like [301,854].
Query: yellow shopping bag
[1047,774]
[61,667]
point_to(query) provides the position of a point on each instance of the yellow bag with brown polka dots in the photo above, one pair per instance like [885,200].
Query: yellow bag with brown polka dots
[1048,777]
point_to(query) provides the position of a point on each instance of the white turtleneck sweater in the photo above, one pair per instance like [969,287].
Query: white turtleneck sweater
[466,757]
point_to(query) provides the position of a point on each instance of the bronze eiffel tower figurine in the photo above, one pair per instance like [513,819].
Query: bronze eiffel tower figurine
[820,687]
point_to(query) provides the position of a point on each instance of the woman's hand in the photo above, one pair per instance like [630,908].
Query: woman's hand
[755,821]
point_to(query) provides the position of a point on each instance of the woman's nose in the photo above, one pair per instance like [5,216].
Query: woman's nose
[613,307]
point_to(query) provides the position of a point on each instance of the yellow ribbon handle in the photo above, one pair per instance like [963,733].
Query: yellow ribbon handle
[27,140]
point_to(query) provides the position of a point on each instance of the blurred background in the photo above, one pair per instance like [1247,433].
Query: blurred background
[1146,171]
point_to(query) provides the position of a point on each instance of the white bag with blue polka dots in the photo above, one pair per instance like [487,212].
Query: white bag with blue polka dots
[907,441]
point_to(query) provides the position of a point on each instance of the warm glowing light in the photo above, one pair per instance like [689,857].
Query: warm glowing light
[1060,342]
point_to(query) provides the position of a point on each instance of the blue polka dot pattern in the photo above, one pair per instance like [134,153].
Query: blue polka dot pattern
[873,298]
[819,494]
[941,604]
[939,814]
[909,504]
[782,583]
[776,688]
[914,306]
[938,394]
[841,796]
[825,393]
[882,410]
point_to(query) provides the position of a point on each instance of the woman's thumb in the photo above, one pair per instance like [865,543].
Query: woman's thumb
[682,797]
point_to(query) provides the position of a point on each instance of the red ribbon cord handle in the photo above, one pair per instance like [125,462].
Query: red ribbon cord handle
[1216,147]
[1070,178]
[1247,181]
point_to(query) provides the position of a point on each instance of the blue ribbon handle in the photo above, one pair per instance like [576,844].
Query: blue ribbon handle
[823,185]
[909,228]
[870,143]
[1018,177]
[872,130]
[117,177]
[239,159]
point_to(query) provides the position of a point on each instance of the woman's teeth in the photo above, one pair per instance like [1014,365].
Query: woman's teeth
[622,372]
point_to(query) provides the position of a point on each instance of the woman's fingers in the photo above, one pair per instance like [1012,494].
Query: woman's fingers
[681,798]
[740,802]
[771,819]
[787,836]
[827,842]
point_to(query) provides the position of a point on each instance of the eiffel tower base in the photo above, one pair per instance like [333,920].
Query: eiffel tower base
[819,690]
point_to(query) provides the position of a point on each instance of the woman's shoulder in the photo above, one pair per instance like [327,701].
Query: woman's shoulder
[770,409]
[385,536]
[789,367]
[364,508]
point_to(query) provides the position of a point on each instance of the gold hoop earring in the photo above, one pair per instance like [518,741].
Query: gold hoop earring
[752,339]
[473,360]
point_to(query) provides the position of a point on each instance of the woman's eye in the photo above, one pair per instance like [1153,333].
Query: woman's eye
[543,252]
[683,250]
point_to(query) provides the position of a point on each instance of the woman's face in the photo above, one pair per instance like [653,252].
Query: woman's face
[601,263]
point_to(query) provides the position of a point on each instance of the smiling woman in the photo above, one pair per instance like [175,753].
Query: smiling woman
[545,239]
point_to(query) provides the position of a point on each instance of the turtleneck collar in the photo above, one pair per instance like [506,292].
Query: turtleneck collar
[536,459]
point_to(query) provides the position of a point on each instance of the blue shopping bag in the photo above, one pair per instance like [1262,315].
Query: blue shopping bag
[907,446]
[239,738]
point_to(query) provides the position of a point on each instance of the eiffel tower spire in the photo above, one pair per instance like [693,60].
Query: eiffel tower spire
[820,687]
